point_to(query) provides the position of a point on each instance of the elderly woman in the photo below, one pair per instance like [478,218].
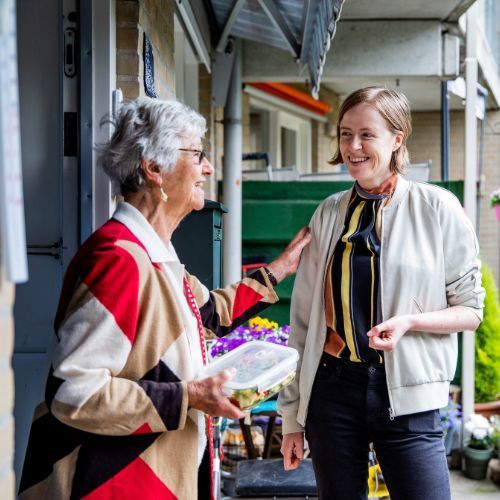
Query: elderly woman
[124,414]
[391,272]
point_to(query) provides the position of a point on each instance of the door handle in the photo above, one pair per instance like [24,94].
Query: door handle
[57,249]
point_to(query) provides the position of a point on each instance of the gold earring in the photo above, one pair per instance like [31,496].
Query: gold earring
[164,196]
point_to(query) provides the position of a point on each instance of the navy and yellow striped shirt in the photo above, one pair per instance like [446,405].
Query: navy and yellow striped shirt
[352,281]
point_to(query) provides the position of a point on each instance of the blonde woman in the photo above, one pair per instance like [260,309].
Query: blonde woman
[392,272]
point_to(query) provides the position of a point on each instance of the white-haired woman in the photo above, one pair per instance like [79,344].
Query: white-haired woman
[124,415]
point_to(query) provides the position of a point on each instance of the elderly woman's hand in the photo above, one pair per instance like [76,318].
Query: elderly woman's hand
[288,261]
[207,395]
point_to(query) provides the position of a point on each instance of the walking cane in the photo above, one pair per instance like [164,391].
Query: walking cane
[216,423]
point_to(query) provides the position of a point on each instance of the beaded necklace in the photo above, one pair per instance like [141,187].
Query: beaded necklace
[208,420]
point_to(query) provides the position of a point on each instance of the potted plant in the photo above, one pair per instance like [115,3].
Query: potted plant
[495,202]
[479,448]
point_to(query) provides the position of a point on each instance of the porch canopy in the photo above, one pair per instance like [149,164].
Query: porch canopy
[412,45]
[303,28]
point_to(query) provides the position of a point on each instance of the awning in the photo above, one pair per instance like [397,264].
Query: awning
[293,95]
[304,28]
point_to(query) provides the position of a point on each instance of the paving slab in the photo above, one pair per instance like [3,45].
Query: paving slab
[463,488]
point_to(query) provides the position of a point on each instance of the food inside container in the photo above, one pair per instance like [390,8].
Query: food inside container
[262,370]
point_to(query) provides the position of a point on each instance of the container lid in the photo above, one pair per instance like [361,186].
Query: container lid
[256,363]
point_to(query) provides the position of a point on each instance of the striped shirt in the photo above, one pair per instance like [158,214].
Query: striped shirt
[352,280]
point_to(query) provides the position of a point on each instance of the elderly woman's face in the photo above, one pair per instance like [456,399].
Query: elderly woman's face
[184,184]
[366,145]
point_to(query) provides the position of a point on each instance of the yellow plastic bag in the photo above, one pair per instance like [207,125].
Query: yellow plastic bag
[376,484]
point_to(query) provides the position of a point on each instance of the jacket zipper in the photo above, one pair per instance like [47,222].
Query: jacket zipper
[328,256]
[391,409]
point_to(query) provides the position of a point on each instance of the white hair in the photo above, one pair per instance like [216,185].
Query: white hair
[149,129]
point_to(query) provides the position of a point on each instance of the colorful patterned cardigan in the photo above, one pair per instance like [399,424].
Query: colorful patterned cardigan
[115,422]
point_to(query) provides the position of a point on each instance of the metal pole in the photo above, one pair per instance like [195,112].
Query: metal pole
[480,174]
[483,93]
[232,189]
[445,131]
[470,189]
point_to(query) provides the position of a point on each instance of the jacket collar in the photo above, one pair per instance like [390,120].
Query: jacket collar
[402,187]
[132,218]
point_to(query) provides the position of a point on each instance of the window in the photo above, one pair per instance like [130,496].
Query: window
[285,135]
[288,146]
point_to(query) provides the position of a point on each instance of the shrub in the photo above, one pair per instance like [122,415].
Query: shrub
[487,370]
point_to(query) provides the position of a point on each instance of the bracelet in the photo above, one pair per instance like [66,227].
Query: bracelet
[271,276]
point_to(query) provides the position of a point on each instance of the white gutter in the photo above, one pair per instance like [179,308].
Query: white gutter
[470,192]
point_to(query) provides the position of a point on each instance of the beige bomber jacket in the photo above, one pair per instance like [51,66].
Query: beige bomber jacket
[428,261]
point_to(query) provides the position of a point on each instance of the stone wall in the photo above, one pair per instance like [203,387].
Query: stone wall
[156,19]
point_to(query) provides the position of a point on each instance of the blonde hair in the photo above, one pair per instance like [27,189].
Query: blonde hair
[394,108]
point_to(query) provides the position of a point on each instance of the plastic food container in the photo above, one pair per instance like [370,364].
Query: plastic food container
[263,369]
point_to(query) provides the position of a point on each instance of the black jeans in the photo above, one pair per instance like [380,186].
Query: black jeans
[349,408]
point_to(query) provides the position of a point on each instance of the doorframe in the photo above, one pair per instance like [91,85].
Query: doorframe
[104,83]
[85,122]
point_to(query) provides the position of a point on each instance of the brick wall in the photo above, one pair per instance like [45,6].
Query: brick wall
[425,144]
[156,19]
[7,479]
[489,227]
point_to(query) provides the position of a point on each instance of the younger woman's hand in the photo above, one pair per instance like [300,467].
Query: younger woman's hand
[386,335]
[292,449]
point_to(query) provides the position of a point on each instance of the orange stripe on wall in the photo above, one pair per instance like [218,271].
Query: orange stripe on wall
[293,95]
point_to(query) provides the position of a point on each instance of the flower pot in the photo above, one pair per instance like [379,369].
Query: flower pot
[476,462]
[497,211]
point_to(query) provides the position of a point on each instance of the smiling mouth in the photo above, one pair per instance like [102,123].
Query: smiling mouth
[361,159]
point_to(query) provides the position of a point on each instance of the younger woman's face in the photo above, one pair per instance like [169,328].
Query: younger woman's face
[366,145]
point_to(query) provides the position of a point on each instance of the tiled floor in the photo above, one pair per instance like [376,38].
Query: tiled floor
[463,488]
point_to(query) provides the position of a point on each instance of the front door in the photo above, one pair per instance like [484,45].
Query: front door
[48,87]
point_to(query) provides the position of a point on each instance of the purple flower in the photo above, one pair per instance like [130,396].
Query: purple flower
[243,334]
[450,415]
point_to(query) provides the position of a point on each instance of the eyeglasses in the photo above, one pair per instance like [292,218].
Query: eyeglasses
[200,153]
